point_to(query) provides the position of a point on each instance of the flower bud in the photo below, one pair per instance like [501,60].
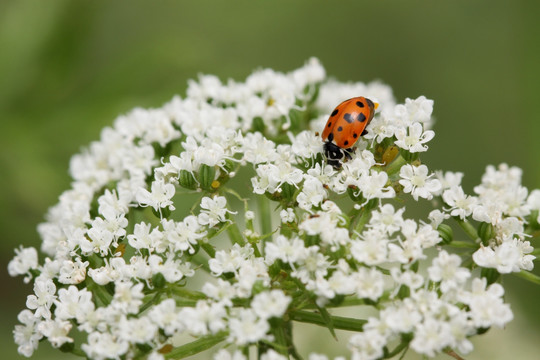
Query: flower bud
[187,180]
[446,233]
[206,176]
[390,154]
[158,280]
[491,275]
[485,232]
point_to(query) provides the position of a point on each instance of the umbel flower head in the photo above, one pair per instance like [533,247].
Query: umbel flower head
[217,216]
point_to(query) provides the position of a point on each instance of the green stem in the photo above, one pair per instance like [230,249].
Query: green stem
[265,215]
[187,294]
[100,293]
[395,165]
[402,346]
[463,244]
[280,338]
[234,232]
[528,276]
[468,228]
[151,302]
[362,221]
[196,346]
[339,322]
[209,249]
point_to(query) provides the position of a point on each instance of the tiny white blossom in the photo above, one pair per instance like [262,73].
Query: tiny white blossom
[56,331]
[415,180]
[43,298]
[213,210]
[446,270]
[247,328]
[288,250]
[159,196]
[413,138]
[270,304]
[287,215]
[25,260]
[26,335]
[73,303]
[127,297]
[461,205]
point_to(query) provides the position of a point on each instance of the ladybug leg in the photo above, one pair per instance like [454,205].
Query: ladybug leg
[348,152]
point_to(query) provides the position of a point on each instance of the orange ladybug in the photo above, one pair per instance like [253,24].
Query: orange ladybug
[344,127]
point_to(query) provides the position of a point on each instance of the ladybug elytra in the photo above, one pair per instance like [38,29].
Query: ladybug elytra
[344,127]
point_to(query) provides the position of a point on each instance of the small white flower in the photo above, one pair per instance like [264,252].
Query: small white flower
[104,346]
[213,211]
[271,354]
[73,304]
[159,197]
[413,138]
[312,194]
[369,283]
[415,180]
[287,215]
[461,205]
[505,258]
[431,336]
[371,249]
[25,260]
[387,219]
[437,217]
[270,304]
[138,331]
[72,272]
[223,354]
[367,345]
[448,180]
[127,297]
[165,316]
[288,250]
[56,331]
[143,238]
[306,144]
[26,335]
[446,270]
[43,298]
[203,319]
[245,327]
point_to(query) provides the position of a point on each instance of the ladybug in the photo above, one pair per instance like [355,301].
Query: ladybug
[344,127]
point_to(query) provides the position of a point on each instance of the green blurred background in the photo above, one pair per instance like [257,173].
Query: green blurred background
[68,68]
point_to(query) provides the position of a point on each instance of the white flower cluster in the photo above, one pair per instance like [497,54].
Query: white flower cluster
[129,263]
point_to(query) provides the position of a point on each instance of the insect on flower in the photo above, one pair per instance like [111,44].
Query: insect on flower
[344,127]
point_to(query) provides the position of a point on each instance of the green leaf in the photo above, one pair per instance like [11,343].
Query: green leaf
[197,346]
[328,319]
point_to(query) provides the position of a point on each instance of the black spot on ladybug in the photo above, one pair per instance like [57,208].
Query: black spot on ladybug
[346,142]
[355,135]
[361,117]
[340,128]
[334,113]
[331,137]
[329,124]
[364,132]
[360,104]
[348,118]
